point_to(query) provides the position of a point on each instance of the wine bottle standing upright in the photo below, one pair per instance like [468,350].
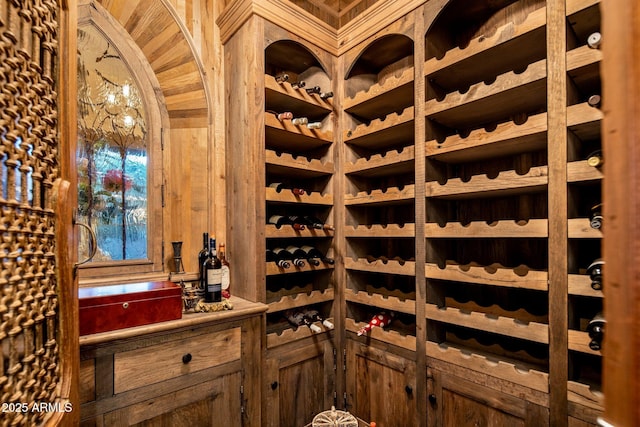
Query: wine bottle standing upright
[213,273]
[226,272]
[202,258]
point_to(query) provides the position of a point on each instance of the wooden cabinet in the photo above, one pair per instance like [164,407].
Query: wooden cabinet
[381,385]
[193,371]
[471,398]
[457,180]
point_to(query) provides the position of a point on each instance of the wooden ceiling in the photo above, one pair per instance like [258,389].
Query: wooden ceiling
[335,12]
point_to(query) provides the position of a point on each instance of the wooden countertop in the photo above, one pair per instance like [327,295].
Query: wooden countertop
[241,308]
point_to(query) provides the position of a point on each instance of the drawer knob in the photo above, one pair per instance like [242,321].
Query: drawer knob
[274,385]
[432,399]
[408,389]
[186,358]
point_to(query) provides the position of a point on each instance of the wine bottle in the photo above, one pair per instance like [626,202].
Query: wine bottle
[297,256]
[595,271]
[596,217]
[594,101]
[286,115]
[280,262]
[282,253]
[314,222]
[312,253]
[280,220]
[314,89]
[213,273]
[595,159]
[314,125]
[326,95]
[278,186]
[380,320]
[595,329]
[314,316]
[282,77]
[202,258]
[226,271]
[299,121]
[298,85]
[594,40]
[297,318]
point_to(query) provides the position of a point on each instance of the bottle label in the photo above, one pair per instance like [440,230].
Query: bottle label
[214,278]
[225,279]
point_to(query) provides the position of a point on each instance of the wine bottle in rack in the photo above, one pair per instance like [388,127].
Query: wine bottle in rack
[282,253]
[314,254]
[213,273]
[297,318]
[299,121]
[298,256]
[595,159]
[278,186]
[226,271]
[299,84]
[314,125]
[314,89]
[380,320]
[202,258]
[280,220]
[594,40]
[313,222]
[282,77]
[326,95]
[594,101]
[314,316]
[595,329]
[279,261]
[285,115]
[595,270]
[595,220]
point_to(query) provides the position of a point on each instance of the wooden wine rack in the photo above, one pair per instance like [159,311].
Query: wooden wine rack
[455,167]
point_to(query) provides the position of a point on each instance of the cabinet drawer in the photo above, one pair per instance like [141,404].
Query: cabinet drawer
[160,362]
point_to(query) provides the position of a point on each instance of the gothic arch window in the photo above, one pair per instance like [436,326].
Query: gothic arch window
[119,151]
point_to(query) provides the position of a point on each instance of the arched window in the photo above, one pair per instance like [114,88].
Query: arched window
[119,153]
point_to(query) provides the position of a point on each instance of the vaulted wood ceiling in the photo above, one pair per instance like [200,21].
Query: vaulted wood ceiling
[335,12]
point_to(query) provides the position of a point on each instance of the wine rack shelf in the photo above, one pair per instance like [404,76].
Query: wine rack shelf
[391,195]
[380,230]
[284,163]
[383,132]
[580,228]
[285,96]
[285,135]
[507,138]
[581,172]
[507,326]
[485,54]
[580,284]
[391,162]
[389,336]
[283,333]
[585,395]
[506,182]
[272,232]
[393,95]
[273,269]
[495,275]
[407,268]
[314,198]
[486,103]
[531,228]
[505,368]
[297,300]
[579,341]
[389,302]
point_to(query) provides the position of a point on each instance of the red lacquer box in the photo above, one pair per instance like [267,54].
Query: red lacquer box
[107,308]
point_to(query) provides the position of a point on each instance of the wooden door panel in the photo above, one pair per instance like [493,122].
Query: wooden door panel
[301,392]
